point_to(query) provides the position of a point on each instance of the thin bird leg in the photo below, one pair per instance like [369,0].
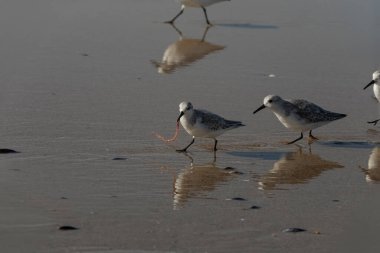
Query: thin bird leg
[185,149]
[374,122]
[311,136]
[205,12]
[173,19]
[216,142]
[299,138]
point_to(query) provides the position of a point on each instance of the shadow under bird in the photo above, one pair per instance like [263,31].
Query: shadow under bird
[376,90]
[299,114]
[195,4]
[203,124]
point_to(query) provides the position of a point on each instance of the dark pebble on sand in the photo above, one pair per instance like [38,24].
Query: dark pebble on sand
[67,227]
[293,230]
[254,207]
[119,158]
[7,151]
[233,170]
[239,199]
[335,200]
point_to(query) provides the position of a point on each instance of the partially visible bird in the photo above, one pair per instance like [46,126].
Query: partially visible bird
[376,90]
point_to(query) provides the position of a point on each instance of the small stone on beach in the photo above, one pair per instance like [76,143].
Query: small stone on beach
[254,207]
[233,171]
[7,151]
[238,199]
[293,230]
[67,227]
[119,158]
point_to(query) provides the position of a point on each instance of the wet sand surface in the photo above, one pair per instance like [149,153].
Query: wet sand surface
[86,83]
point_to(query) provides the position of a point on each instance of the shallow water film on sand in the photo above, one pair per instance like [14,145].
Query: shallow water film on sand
[86,85]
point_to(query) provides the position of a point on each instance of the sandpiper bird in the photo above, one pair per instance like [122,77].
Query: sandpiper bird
[376,90]
[299,114]
[204,124]
[197,4]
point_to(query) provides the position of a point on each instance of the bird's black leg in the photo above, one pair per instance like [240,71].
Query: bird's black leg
[311,136]
[205,12]
[374,122]
[173,19]
[185,149]
[215,143]
[299,138]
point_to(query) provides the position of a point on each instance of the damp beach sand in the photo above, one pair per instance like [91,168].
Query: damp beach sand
[84,84]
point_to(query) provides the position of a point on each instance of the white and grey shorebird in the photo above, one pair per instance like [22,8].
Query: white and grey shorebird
[203,124]
[299,114]
[376,89]
[195,4]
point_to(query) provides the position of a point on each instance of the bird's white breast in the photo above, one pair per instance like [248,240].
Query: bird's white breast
[198,129]
[293,122]
[376,91]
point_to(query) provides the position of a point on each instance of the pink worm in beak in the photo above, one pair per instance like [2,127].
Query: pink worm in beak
[171,139]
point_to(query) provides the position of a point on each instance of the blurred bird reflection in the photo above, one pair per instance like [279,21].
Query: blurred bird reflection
[372,174]
[184,52]
[196,180]
[295,168]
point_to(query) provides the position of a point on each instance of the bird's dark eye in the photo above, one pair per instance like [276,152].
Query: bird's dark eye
[270,101]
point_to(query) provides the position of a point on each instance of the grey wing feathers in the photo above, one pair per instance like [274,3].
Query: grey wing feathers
[215,121]
[313,112]
[233,123]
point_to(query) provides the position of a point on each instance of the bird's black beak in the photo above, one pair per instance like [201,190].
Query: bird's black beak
[372,82]
[180,115]
[259,109]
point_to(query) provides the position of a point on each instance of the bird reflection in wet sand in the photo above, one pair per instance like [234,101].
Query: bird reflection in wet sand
[372,174]
[185,52]
[295,168]
[196,180]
